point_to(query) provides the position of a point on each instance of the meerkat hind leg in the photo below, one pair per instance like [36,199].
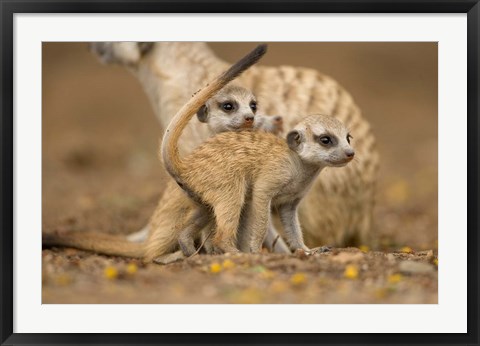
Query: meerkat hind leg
[227,211]
[206,238]
[186,238]
[289,217]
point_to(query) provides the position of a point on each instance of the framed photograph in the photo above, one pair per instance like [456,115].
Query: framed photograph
[324,158]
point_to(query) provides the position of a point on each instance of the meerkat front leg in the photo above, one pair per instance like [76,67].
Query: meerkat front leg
[257,220]
[289,218]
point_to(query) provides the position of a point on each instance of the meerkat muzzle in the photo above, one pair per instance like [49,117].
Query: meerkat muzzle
[349,153]
[248,123]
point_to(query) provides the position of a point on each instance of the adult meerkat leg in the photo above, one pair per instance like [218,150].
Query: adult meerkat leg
[289,217]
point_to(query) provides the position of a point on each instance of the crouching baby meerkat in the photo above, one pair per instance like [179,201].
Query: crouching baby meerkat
[232,109]
[231,173]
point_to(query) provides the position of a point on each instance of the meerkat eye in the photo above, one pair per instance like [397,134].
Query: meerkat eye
[253,106]
[349,137]
[325,140]
[227,106]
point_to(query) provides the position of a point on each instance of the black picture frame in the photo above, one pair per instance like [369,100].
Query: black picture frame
[10,7]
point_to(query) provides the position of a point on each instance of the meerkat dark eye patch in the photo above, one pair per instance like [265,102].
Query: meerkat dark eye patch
[253,106]
[326,140]
[202,114]
[294,138]
[228,106]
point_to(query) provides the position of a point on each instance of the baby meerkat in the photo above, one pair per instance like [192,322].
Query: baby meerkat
[175,213]
[238,174]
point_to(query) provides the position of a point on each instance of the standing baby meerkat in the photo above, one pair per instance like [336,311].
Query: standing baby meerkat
[175,214]
[231,173]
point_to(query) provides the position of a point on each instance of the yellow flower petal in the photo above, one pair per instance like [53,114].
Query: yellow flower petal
[110,273]
[298,279]
[215,268]
[132,268]
[394,278]
[406,249]
[364,248]
[63,280]
[351,272]
[228,264]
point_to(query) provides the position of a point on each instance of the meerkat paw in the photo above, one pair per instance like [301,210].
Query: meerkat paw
[170,258]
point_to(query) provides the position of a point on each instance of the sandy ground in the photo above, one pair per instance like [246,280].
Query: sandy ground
[100,172]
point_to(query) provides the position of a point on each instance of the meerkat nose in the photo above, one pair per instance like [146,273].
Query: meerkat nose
[350,153]
[249,118]
[278,119]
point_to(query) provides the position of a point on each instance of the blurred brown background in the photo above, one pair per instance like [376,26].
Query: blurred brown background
[100,136]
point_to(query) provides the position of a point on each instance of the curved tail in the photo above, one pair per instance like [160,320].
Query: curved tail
[170,154]
[106,244]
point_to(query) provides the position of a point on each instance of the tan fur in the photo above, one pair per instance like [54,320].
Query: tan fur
[107,244]
[248,172]
[175,210]
[345,196]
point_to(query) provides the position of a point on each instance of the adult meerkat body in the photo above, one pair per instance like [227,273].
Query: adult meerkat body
[344,196]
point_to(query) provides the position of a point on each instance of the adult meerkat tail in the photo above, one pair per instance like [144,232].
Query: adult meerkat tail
[169,149]
[106,244]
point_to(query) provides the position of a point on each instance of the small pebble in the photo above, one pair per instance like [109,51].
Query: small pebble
[413,267]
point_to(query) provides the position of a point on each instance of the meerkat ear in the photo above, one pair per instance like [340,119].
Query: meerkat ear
[124,53]
[202,114]
[294,138]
